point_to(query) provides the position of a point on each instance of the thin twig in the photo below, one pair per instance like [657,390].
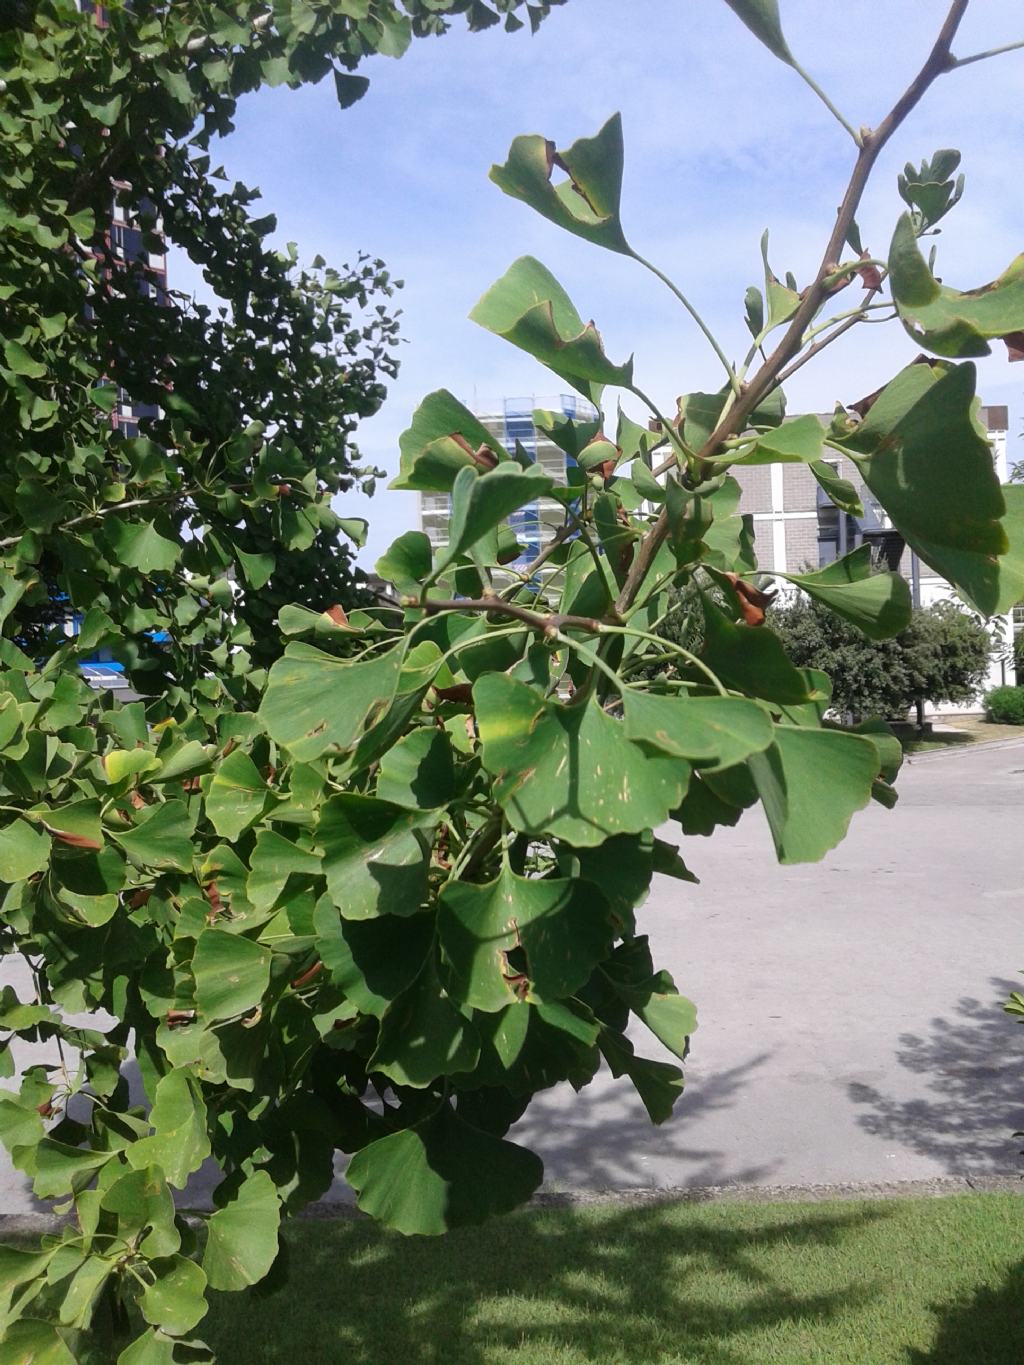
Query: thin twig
[992,52]
[546,623]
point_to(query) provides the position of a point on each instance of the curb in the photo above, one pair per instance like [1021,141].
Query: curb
[958,750]
[938,1187]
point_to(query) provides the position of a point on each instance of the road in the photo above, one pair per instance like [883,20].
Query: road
[850,1020]
[851,1027]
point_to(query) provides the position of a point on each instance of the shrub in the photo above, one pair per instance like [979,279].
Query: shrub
[942,656]
[1005,705]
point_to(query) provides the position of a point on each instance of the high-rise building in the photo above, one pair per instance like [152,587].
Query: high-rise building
[513,425]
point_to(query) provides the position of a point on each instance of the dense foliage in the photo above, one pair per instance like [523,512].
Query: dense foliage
[1005,705]
[374,898]
[942,656]
[227,492]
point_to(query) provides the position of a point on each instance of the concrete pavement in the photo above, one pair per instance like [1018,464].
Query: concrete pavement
[850,1013]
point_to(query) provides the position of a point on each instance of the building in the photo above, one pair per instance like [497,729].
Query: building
[797,527]
[513,425]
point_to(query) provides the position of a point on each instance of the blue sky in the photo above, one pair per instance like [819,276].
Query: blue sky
[722,141]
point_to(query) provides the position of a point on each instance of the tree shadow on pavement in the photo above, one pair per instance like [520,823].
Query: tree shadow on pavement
[987,1329]
[602,1139]
[631,1286]
[973,1065]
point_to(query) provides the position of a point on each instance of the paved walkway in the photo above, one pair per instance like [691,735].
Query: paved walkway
[850,1011]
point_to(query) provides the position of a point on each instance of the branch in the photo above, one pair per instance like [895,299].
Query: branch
[938,61]
[548,624]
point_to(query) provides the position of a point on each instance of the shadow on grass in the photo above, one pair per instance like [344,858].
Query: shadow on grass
[945,739]
[987,1329]
[625,1286]
[973,1065]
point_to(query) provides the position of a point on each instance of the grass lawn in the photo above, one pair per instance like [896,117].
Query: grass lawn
[915,1281]
[958,730]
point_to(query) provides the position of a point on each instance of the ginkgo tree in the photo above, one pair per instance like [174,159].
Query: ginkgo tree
[374,898]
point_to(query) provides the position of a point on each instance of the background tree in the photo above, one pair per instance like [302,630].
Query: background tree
[942,656]
[227,493]
[374,898]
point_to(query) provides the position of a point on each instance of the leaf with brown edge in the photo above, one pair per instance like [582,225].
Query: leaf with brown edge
[870,274]
[66,836]
[752,602]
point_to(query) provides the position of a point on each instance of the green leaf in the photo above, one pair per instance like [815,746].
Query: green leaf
[561,929]
[84,1285]
[811,782]
[943,320]
[161,839]
[652,996]
[375,855]
[798,441]
[179,1143]
[256,568]
[151,1348]
[1011,565]
[529,308]
[418,771]
[441,441]
[142,1201]
[237,795]
[659,1084]
[315,703]
[58,1168]
[407,563]
[28,1341]
[349,88]
[176,1300]
[106,111]
[876,603]
[750,659]
[712,732]
[274,860]
[231,974]
[372,961]
[587,203]
[104,396]
[441,1174]
[841,491]
[568,770]
[925,458]
[122,764]
[423,1035]
[139,545]
[24,851]
[762,18]
[242,1236]
[481,501]
[18,360]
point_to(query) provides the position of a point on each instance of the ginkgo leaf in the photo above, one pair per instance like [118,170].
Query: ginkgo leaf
[529,308]
[587,203]
[569,770]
